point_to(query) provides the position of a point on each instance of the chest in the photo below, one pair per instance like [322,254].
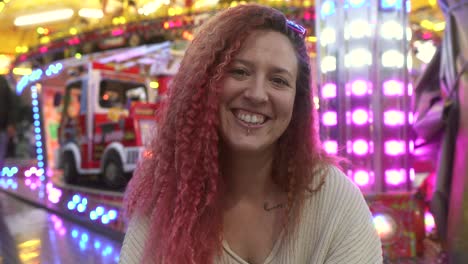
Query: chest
[252,233]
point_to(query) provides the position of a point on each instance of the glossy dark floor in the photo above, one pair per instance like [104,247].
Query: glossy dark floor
[32,235]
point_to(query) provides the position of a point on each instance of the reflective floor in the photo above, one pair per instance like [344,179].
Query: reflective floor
[32,235]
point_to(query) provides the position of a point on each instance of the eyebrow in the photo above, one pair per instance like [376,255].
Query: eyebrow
[276,69]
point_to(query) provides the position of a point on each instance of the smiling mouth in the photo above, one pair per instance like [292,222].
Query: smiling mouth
[249,118]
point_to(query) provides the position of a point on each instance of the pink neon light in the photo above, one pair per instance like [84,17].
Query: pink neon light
[410,89]
[361,178]
[360,147]
[28,182]
[394,177]
[412,175]
[410,117]
[394,118]
[393,88]
[331,146]
[329,118]
[360,117]
[411,146]
[394,147]
[43,49]
[117,32]
[329,90]
[359,87]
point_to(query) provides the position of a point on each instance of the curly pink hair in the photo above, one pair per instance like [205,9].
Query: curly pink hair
[179,184]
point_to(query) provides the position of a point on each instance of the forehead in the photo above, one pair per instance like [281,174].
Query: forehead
[269,47]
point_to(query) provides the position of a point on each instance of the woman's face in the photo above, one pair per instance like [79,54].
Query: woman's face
[258,90]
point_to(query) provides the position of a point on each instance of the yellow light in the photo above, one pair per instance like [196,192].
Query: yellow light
[22,71]
[73,31]
[91,13]
[18,49]
[233,3]
[115,20]
[179,10]
[78,56]
[44,40]
[154,85]
[166,25]
[427,24]
[25,49]
[312,39]
[6,1]
[171,11]
[30,243]
[44,17]
[122,20]
[2,5]
[40,30]
[439,26]
[432,2]
[307,3]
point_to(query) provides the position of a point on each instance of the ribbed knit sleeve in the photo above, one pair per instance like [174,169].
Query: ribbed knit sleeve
[355,240]
[134,242]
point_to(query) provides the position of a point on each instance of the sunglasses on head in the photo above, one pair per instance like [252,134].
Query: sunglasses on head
[296,28]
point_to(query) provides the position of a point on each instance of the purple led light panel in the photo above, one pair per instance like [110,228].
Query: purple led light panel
[360,147]
[395,177]
[393,88]
[329,90]
[329,118]
[360,117]
[361,178]
[331,146]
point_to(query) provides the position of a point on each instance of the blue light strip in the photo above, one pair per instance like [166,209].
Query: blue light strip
[40,153]
[36,75]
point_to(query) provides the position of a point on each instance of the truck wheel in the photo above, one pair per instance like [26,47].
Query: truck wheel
[113,174]
[70,173]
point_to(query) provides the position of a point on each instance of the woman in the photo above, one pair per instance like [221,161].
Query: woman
[236,173]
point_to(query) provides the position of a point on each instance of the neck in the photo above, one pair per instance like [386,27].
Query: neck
[248,176]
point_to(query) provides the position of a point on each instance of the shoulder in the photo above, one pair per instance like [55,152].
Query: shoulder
[135,238]
[338,198]
[335,184]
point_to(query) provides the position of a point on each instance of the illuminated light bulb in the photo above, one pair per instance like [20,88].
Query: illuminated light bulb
[329,118]
[360,147]
[394,118]
[392,30]
[331,146]
[358,58]
[395,177]
[357,29]
[360,87]
[393,88]
[361,178]
[328,8]
[329,90]
[327,36]
[360,117]
[394,147]
[385,225]
[328,64]
[392,59]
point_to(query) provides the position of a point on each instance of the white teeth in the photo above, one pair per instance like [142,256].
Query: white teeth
[251,118]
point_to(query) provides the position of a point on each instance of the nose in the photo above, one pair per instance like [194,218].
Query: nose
[256,92]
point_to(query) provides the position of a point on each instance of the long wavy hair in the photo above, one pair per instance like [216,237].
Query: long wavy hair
[178,183]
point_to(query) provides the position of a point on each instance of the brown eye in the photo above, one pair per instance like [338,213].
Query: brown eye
[239,72]
[280,81]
